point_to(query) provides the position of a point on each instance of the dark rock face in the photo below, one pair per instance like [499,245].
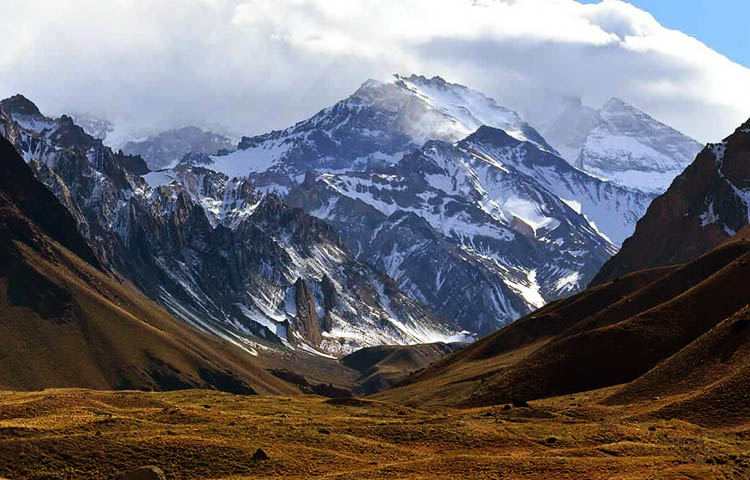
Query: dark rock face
[329,302]
[39,204]
[704,206]
[20,105]
[170,146]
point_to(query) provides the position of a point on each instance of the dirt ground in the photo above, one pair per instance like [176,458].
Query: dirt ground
[196,434]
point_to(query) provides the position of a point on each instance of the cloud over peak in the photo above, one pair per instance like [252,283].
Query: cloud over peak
[254,65]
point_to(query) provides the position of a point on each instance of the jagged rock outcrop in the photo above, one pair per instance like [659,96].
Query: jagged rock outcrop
[306,321]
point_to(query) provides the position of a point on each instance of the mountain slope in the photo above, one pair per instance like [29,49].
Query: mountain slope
[65,323]
[586,342]
[704,206]
[170,146]
[713,370]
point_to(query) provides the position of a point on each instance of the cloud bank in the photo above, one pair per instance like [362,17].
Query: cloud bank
[254,65]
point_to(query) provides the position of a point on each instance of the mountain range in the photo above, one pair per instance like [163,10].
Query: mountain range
[220,256]
[485,194]
[414,211]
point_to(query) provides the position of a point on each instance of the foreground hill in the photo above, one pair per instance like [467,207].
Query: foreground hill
[65,322]
[669,318]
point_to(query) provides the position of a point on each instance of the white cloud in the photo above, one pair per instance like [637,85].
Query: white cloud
[253,65]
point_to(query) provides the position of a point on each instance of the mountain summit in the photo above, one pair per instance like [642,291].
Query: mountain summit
[376,125]
[631,148]
[619,143]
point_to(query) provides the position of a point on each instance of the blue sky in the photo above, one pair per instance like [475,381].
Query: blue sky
[720,24]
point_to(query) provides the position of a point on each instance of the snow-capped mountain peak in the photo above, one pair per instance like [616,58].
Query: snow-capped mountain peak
[376,125]
[631,148]
[466,110]
[617,142]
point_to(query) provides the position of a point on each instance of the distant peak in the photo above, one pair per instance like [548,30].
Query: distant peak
[19,104]
[616,103]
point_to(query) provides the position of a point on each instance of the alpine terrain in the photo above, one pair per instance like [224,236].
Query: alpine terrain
[446,191]
[618,142]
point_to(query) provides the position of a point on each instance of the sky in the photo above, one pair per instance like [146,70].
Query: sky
[720,24]
[249,66]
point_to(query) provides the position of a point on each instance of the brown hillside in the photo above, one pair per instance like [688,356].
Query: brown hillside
[385,366]
[712,374]
[607,335]
[65,323]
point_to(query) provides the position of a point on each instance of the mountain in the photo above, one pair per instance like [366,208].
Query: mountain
[385,366]
[462,228]
[168,147]
[618,142]
[376,125]
[446,191]
[215,251]
[631,148]
[688,324]
[564,122]
[705,205]
[66,323]
[94,125]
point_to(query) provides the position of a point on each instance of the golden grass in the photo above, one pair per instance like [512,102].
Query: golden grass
[198,434]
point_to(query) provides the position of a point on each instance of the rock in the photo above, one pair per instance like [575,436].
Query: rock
[519,402]
[307,316]
[143,473]
[260,455]
[552,440]
[324,431]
